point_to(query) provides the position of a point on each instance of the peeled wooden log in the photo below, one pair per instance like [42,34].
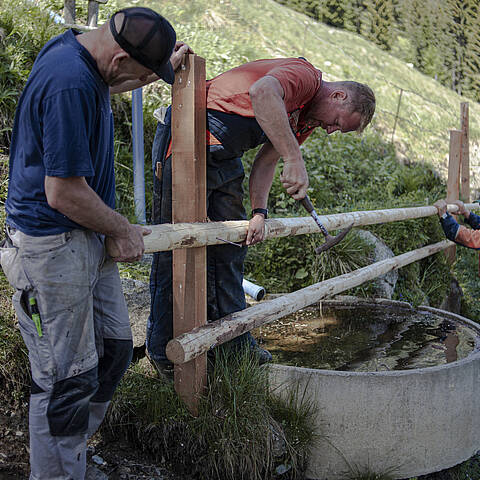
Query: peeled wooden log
[191,344]
[189,235]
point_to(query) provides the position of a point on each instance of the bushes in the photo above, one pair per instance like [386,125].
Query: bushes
[24,29]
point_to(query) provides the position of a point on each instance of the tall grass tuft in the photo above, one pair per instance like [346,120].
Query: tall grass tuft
[242,431]
[14,367]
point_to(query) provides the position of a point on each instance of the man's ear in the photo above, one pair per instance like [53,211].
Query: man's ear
[118,60]
[339,95]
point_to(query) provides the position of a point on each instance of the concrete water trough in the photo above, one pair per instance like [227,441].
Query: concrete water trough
[401,422]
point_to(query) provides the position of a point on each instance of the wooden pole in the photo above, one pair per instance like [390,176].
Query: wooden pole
[69,12]
[189,345]
[189,205]
[191,235]
[396,116]
[92,18]
[453,181]
[465,154]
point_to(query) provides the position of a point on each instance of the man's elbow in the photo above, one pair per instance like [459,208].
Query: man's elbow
[59,192]
[53,199]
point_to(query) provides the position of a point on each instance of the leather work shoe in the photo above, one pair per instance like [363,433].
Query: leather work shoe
[263,356]
[164,369]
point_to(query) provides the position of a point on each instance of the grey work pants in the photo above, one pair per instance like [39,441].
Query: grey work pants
[82,349]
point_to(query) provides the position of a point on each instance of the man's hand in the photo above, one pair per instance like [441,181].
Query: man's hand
[461,208]
[256,229]
[294,179]
[180,49]
[127,248]
[441,206]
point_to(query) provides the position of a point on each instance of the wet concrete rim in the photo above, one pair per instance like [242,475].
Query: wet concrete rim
[349,301]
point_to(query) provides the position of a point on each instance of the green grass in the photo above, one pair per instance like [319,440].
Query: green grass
[242,430]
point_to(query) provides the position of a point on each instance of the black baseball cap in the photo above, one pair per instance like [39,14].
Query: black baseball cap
[148,38]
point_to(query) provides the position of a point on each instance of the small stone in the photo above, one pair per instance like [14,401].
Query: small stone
[94,473]
[98,460]
[281,469]
[18,433]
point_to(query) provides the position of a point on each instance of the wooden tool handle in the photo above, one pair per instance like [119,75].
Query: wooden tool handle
[307,204]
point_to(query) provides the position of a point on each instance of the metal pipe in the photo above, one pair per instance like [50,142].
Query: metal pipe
[138,156]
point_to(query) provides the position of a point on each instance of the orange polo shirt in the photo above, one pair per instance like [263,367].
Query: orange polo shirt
[300,80]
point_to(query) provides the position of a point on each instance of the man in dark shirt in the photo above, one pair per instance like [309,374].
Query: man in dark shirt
[60,208]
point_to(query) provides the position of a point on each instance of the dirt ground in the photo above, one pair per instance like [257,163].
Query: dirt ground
[117,459]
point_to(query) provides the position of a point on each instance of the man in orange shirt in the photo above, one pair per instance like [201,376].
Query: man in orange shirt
[274,103]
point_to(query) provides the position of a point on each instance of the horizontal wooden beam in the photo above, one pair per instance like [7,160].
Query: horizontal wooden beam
[191,344]
[190,235]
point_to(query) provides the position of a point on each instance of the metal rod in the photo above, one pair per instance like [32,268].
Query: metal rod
[138,156]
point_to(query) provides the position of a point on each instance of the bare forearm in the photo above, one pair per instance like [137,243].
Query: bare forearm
[76,200]
[261,176]
[270,113]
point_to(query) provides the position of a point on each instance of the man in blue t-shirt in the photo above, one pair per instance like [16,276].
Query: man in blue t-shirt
[60,209]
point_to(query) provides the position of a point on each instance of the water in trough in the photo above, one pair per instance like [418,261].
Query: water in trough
[366,339]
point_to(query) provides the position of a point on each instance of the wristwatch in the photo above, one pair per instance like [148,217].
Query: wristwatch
[263,211]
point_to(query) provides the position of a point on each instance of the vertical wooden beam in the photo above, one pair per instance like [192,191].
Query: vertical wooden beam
[465,154]
[453,181]
[396,115]
[92,18]
[69,12]
[189,205]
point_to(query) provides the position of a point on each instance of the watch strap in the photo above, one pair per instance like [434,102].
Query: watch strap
[263,211]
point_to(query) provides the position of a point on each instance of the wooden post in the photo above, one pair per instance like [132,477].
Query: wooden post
[398,111]
[189,205]
[69,12]
[92,18]
[465,154]
[453,181]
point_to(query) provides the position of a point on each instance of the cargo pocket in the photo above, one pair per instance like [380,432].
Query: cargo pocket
[12,267]
[39,348]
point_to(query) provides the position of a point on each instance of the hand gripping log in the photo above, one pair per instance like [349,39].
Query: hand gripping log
[330,240]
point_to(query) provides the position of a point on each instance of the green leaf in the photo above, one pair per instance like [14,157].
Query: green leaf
[301,273]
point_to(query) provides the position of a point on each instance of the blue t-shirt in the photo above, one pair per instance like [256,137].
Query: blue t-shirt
[63,128]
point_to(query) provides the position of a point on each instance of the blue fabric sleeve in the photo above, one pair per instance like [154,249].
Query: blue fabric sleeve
[68,118]
[450,227]
[474,221]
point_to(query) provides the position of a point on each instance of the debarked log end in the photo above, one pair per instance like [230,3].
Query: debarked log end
[175,352]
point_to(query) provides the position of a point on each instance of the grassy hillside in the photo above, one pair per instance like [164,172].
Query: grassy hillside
[229,32]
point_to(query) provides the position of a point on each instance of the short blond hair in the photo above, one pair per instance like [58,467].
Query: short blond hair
[362,100]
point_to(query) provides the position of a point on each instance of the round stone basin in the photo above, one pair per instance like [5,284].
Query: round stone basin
[396,389]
